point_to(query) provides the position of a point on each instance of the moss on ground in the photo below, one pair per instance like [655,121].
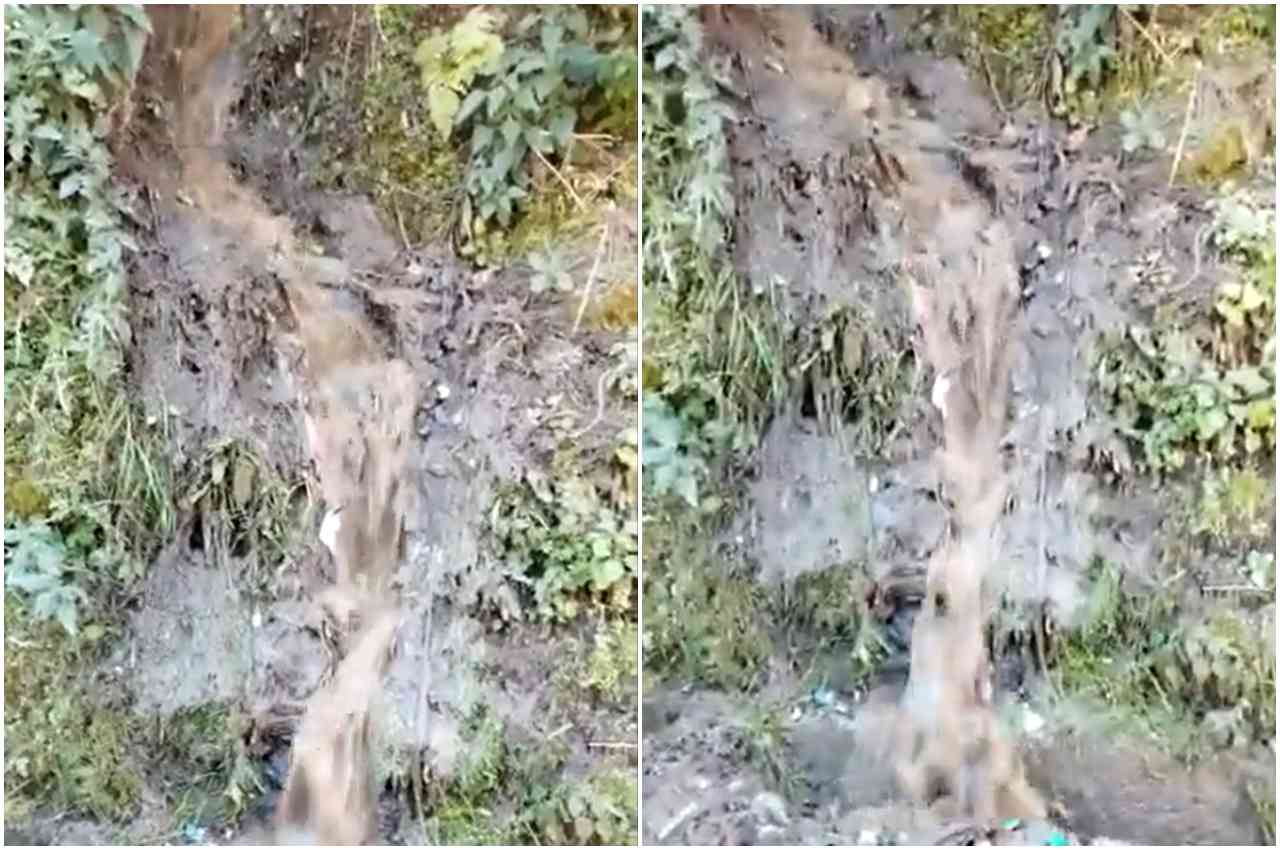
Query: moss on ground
[67,749]
[506,792]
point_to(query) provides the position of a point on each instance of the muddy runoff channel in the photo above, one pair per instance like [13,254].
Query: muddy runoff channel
[855,168]
[358,655]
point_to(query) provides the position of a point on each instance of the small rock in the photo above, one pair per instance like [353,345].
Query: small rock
[770,808]
[442,392]
[1043,251]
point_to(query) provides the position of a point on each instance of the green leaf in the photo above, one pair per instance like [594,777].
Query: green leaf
[539,139]
[686,486]
[1210,423]
[481,139]
[510,131]
[562,124]
[444,104]
[525,100]
[544,85]
[470,104]
[607,573]
[552,37]
[86,47]
[495,99]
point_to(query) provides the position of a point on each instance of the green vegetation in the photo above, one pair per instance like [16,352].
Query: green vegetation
[1206,392]
[518,108]
[574,543]
[62,748]
[218,780]
[712,372]
[606,670]
[720,362]
[78,457]
[598,808]
[1192,679]
[89,492]
[521,98]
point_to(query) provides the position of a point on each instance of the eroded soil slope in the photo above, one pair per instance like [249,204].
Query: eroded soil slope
[850,152]
[262,311]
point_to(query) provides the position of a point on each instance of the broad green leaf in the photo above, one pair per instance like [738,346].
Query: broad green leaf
[470,104]
[481,139]
[562,124]
[524,99]
[443,103]
[86,47]
[510,131]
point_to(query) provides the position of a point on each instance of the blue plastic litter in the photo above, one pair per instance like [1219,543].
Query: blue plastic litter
[823,697]
[1057,839]
[194,833]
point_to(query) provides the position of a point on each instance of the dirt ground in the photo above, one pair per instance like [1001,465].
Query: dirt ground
[232,234]
[814,224]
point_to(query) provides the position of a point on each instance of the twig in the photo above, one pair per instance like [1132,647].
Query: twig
[613,745]
[560,177]
[991,81]
[599,406]
[404,236]
[1164,57]
[591,278]
[556,734]
[1234,588]
[1186,123]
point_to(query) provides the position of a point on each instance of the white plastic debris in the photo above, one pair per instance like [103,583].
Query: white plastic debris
[329,530]
[1032,723]
[941,385]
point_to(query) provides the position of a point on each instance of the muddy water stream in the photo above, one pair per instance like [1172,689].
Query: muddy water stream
[359,406]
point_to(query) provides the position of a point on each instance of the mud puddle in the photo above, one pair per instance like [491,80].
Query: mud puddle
[389,391]
[853,156]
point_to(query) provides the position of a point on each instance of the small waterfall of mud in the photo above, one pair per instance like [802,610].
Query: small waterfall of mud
[359,406]
[896,181]
[964,300]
